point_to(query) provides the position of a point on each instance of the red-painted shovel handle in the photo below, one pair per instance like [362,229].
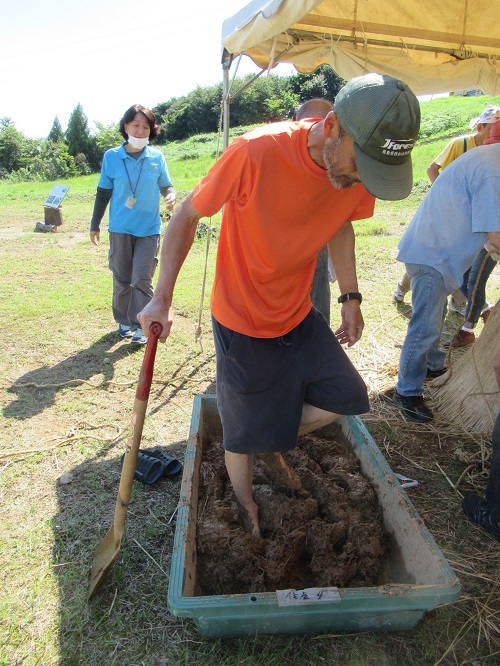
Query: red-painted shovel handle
[146,373]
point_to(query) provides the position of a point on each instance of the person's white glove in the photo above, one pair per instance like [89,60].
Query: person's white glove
[494,251]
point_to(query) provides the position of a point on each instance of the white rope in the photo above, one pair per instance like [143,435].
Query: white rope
[199,331]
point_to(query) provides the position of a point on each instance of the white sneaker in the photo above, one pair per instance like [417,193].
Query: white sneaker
[398,295]
[124,331]
[139,337]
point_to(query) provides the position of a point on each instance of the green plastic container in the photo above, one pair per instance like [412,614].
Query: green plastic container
[415,576]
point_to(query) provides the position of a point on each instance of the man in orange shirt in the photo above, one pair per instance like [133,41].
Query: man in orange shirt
[288,189]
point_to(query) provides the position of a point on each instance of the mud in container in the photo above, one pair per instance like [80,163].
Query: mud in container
[415,577]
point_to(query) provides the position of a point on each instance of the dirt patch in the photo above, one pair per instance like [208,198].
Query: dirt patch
[329,533]
[10,233]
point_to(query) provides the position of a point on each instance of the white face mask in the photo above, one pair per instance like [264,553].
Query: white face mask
[138,143]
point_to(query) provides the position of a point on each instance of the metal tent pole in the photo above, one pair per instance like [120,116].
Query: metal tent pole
[226,65]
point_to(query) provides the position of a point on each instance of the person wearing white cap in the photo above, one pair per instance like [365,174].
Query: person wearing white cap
[287,190]
[455,148]
[461,144]
[488,117]
[477,278]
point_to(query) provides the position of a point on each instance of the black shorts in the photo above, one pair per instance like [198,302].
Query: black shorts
[262,384]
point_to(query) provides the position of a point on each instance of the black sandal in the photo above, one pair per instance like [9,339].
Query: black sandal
[153,465]
[148,470]
[171,466]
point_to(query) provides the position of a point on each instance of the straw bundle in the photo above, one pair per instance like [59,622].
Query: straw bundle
[468,393]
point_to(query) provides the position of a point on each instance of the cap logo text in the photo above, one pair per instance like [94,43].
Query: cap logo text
[400,147]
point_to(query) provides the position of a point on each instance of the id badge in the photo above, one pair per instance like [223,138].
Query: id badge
[130,203]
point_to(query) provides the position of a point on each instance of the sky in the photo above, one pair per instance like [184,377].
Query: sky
[106,55]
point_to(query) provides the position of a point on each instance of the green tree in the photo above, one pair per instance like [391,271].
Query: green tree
[15,148]
[56,134]
[6,122]
[249,107]
[80,141]
[267,99]
[175,122]
[51,162]
[204,109]
[324,82]
[160,111]
[281,108]
[107,137]
[78,134]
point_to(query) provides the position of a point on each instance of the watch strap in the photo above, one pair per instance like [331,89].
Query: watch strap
[350,296]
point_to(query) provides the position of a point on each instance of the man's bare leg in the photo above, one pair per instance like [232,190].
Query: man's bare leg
[281,471]
[240,469]
[314,418]
[240,465]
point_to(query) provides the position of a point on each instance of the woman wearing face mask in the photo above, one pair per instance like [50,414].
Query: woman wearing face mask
[133,176]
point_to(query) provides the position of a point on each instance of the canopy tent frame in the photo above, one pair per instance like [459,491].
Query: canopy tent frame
[459,54]
[227,97]
[462,50]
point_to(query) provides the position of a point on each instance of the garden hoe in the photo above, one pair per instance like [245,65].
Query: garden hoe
[107,552]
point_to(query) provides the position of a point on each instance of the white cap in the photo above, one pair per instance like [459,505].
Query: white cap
[490,115]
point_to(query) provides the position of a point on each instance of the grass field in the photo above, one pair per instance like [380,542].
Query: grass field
[67,389]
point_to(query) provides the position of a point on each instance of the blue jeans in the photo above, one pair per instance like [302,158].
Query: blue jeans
[475,278]
[421,346]
[493,487]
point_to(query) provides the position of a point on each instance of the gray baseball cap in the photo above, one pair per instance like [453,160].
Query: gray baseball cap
[382,116]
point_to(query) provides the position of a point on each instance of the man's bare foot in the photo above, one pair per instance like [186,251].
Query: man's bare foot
[250,519]
[281,471]
[240,469]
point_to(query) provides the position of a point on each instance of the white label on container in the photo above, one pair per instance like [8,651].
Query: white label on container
[311,595]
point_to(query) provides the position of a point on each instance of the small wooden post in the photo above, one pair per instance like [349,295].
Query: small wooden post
[53,216]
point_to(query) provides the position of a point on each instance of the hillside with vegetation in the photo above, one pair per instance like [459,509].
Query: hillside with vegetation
[186,121]
[78,150]
[441,119]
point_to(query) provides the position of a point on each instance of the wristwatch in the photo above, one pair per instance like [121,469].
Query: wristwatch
[351,295]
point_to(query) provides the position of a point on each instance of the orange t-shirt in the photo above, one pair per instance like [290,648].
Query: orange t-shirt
[280,211]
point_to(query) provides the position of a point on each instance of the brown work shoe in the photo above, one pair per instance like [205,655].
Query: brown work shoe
[460,339]
[485,314]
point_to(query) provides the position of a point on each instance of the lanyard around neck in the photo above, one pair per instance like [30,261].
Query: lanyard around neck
[134,190]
